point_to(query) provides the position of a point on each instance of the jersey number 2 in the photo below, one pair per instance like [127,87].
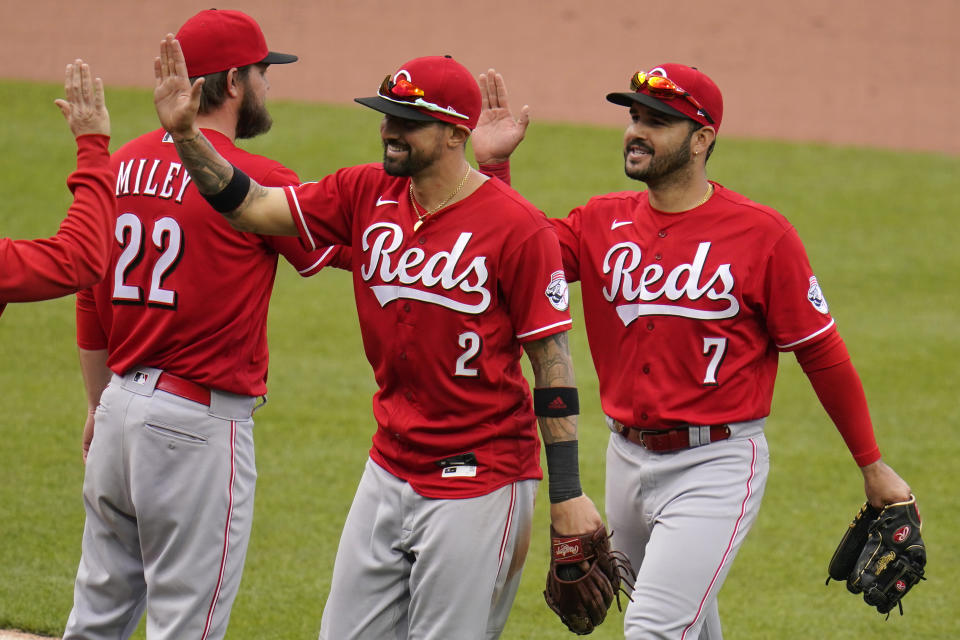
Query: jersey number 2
[470,342]
[719,348]
[168,240]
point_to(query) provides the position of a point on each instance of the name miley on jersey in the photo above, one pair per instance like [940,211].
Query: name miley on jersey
[153,177]
[380,243]
[655,288]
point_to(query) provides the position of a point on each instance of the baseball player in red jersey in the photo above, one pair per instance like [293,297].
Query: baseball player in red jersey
[690,292]
[76,257]
[455,275]
[174,354]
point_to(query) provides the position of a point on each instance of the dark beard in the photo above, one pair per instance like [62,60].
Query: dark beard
[414,163]
[252,118]
[661,166]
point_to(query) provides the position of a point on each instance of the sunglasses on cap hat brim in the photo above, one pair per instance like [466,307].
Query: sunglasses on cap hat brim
[397,110]
[656,91]
[404,99]
[626,99]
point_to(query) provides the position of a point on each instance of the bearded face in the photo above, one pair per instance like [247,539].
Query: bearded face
[252,117]
[410,146]
[651,163]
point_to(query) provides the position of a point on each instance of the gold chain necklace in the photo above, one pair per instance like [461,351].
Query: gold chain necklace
[705,197]
[423,216]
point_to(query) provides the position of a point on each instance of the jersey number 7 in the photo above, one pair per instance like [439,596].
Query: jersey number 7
[719,348]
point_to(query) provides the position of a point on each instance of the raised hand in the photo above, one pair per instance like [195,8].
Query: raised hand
[177,102]
[84,107]
[498,131]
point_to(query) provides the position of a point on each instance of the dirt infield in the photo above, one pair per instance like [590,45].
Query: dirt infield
[19,635]
[864,72]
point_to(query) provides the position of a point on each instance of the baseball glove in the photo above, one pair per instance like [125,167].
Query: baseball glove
[581,597]
[881,555]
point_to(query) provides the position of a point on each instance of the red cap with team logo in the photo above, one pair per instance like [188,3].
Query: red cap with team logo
[689,94]
[430,88]
[215,40]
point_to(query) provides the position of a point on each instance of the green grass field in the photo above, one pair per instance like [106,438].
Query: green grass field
[880,228]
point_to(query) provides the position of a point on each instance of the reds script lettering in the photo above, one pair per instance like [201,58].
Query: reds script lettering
[624,258]
[147,181]
[382,239]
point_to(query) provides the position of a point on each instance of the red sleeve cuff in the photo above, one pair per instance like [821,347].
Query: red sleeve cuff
[499,170]
[90,333]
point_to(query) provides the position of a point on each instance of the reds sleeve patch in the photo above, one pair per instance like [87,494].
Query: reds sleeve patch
[557,292]
[815,296]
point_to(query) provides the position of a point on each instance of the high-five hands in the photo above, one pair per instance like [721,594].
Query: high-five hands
[177,102]
[84,107]
[498,131]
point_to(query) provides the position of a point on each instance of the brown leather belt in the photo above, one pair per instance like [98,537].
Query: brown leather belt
[676,439]
[184,388]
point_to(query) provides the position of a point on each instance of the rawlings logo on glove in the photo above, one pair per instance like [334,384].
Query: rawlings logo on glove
[582,596]
[882,554]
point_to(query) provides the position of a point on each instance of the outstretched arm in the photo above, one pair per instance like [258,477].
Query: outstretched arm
[248,206]
[76,257]
[571,511]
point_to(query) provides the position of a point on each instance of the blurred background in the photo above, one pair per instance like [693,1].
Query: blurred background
[879,73]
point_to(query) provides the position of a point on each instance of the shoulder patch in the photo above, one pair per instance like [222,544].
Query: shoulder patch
[815,296]
[557,292]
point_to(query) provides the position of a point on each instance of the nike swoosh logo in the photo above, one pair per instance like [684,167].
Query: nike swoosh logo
[620,223]
[381,201]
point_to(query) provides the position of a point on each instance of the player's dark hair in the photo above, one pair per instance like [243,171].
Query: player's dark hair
[214,91]
[696,126]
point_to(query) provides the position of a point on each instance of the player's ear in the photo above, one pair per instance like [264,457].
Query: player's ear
[233,83]
[458,135]
[701,139]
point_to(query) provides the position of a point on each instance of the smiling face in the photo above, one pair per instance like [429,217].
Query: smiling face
[410,146]
[656,147]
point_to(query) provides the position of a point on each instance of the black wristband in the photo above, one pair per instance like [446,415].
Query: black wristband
[563,470]
[556,402]
[232,195]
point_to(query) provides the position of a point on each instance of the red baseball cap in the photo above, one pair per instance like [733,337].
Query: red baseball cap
[215,40]
[702,103]
[430,88]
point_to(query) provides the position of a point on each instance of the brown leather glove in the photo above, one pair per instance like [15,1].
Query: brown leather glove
[585,575]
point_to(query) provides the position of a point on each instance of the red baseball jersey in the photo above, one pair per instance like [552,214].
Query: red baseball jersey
[443,313]
[186,292]
[76,256]
[686,312]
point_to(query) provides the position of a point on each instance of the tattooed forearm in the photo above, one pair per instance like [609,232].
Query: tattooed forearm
[550,359]
[207,168]
[553,367]
[557,429]
[256,192]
